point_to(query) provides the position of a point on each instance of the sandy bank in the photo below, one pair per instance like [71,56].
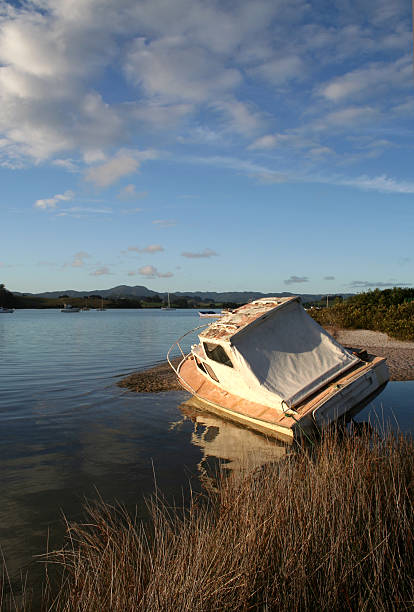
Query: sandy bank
[154,380]
[399,354]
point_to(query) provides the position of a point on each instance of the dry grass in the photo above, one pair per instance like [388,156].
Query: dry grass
[326,530]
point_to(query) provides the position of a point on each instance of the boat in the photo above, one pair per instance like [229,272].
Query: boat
[168,307]
[101,308]
[69,308]
[269,366]
[209,314]
[3,309]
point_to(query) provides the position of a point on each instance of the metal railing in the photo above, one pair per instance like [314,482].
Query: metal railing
[184,356]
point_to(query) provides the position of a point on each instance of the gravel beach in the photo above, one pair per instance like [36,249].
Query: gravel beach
[399,354]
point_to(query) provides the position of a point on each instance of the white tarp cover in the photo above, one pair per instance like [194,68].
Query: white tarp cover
[290,354]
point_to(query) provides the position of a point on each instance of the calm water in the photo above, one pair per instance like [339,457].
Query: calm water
[68,431]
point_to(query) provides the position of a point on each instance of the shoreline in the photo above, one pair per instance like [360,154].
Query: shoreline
[399,355]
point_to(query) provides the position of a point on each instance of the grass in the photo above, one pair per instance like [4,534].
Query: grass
[322,530]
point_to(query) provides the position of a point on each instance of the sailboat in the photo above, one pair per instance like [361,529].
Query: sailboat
[168,307]
[101,308]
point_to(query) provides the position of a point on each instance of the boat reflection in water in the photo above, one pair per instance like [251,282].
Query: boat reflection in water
[228,445]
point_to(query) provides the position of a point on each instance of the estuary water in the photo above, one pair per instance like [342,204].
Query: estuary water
[69,433]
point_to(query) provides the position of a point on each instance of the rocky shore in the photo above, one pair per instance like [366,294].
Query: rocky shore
[399,354]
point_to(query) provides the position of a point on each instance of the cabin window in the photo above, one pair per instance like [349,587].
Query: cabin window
[217,353]
[200,366]
[210,372]
[204,367]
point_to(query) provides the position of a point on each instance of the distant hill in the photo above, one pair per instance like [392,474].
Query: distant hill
[139,291]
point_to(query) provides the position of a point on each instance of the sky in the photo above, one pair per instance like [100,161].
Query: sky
[207,145]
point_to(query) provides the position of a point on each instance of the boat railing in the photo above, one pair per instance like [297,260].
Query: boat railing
[184,355]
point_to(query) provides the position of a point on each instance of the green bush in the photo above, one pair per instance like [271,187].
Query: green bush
[390,311]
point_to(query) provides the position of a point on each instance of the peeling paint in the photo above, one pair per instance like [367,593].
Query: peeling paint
[232,323]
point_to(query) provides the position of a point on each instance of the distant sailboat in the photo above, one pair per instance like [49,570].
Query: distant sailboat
[169,304]
[101,308]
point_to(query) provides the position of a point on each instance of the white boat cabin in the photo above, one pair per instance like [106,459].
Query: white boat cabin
[272,352]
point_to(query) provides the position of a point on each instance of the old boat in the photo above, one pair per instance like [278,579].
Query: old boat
[270,366]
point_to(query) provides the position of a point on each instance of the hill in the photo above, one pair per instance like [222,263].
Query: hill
[139,291]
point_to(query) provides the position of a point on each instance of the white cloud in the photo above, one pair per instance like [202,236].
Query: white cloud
[125,162]
[87,209]
[379,183]
[103,271]
[200,255]
[152,272]
[352,116]
[268,141]
[370,80]
[282,69]
[240,116]
[151,248]
[177,71]
[219,71]
[50,203]
[130,192]
[78,260]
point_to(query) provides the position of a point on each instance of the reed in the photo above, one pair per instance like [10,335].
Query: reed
[326,529]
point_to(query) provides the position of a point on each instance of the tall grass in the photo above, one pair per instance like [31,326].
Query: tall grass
[330,529]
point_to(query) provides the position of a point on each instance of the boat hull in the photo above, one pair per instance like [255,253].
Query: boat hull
[331,403]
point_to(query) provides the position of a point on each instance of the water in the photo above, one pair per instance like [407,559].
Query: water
[68,432]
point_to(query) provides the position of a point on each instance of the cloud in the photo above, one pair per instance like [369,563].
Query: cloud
[261,173]
[281,69]
[352,116]
[125,162]
[103,271]
[241,117]
[152,272]
[268,141]
[375,77]
[151,248]
[175,70]
[78,260]
[198,73]
[76,210]
[203,254]
[165,222]
[129,192]
[379,183]
[50,203]
[293,280]
[67,164]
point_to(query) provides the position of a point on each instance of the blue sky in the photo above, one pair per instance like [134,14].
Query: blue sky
[206,145]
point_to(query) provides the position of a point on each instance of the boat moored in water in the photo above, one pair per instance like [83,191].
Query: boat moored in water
[3,309]
[69,308]
[268,365]
[209,314]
